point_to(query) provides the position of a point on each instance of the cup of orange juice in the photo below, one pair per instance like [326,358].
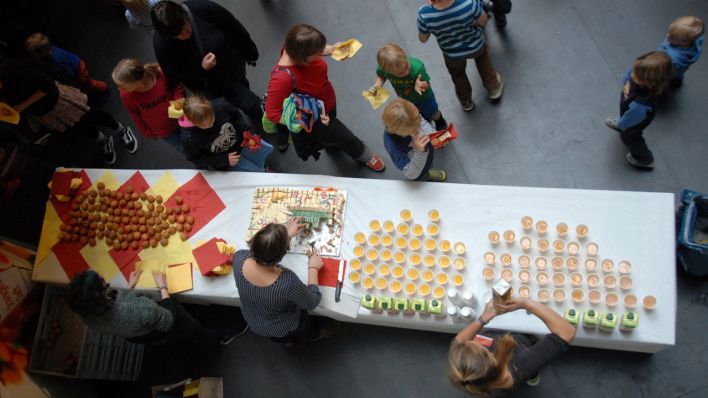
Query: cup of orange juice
[488,273]
[527,223]
[367,282]
[417,230]
[424,289]
[355,264]
[401,243]
[369,269]
[384,269]
[381,283]
[444,261]
[441,278]
[414,244]
[359,238]
[433,229]
[433,215]
[354,277]
[402,229]
[458,280]
[430,244]
[397,272]
[415,259]
[429,260]
[358,251]
[372,254]
[445,245]
[374,225]
[387,240]
[438,292]
[410,288]
[385,255]
[399,257]
[494,237]
[394,286]
[459,248]
[406,215]
[412,274]
[458,263]
[388,226]
[427,275]
[374,239]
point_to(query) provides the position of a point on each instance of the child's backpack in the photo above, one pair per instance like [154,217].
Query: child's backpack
[300,111]
[692,238]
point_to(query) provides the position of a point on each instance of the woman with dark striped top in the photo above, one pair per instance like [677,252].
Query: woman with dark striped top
[274,300]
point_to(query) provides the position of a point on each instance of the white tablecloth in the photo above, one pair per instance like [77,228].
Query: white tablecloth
[636,226]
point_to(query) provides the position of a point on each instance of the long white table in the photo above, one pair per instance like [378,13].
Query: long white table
[634,226]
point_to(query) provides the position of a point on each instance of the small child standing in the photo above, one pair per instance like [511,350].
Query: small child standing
[458,26]
[683,44]
[410,80]
[646,81]
[213,133]
[407,142]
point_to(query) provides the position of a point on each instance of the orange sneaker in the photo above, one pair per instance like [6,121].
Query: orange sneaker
[375,163]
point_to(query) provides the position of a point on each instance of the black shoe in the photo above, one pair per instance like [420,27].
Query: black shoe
[440,124]
[283,147]
[636,163]
[131,143]
[500,20]
[109,154]
[230,335]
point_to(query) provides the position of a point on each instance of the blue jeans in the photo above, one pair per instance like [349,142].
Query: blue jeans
[253,160]
[175,141]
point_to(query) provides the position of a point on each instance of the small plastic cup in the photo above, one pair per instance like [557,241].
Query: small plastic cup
[625,282]
[429,260]
[610,281]
[573,248]
[441,278]
[427,275]
[402,229]
[571,263]
[414,244]
[582,231]
[625,267]
[399,257]
[395,286]
[417,230]
[458,263]
[458,280]
[359,238]
[488,273]
[594,296]
[506,259]
[412,274]
[649,302]
[558,279]
[630,301]
[385,255]
[577,295]
[542,278]
[398,272]
[543,295]
[558,246]
[541,227]
[557,263]
[410,288]
[415,259]
[509,237]
[507,275]
[388,226]
[433,229]
[438,292]
[562,229]
[543,245]
[592,249]
[386,240]
[611,299]
[444,261]
[401,243]
[374,225]
[372,254]
[369,269]
[355,264]
[367,282]
[384,269]
[445,246]
[592,280]
[424,289]
[374,239]
[526,243]
[607,265]
[558,295]
[490,258]
[434,215]
[459,248]
[524,261]
[381,283]
[541,263]
[524,276]
[406,215]
[526,223]
[590,265]
[576,279]
[354,277]
[358,251]
[430,244]
[493,237]
[524,291]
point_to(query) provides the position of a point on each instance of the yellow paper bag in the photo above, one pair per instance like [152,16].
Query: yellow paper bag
[8,114]
[175,110]
[377,100]
[346,49]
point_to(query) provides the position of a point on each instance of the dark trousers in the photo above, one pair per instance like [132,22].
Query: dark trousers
[501,7]
[308,329]
[456,68]
[633,138]
[93,120]
[238,93]
[335,135]
[184,329]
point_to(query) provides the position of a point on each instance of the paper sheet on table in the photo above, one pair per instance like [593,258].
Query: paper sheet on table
[146,280]
[377,100]
[179,278]
[165,186]
[50,233]
[347,306]
[347,49]
[328,274]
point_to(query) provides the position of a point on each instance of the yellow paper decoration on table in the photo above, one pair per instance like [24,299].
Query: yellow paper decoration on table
[377,100]
[99,260]
[109,180]
[50,233]
[146,280]
[346,49]
[165,186]
[179,278]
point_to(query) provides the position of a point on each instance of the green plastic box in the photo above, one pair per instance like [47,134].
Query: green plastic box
[608,322]
[419,305]
[385,303]
[435,307]
[401,304]
[368,301]
[591,319]
[572,316]
[630,321]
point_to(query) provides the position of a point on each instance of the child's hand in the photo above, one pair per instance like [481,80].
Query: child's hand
[421,86]
[209,61]
[234,157]
[324,118]
[420,141]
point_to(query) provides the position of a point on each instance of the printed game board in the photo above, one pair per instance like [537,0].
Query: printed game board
[322,210]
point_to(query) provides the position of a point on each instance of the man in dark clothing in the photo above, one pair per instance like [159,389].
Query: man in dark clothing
[209,56]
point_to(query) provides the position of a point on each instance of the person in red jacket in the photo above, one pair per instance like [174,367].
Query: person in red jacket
[146,95]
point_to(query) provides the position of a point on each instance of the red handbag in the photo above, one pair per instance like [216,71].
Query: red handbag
[440,139]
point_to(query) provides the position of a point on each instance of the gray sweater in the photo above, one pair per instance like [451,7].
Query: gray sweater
[132,315]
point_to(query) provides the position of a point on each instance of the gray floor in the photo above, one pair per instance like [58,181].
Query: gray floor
[562,61]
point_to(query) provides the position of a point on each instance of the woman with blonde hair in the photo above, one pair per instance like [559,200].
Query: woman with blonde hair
[487,361]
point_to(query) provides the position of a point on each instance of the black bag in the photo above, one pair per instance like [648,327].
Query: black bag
[692,237]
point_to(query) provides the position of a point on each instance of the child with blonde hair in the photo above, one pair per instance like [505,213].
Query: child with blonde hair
[683,44]
[646,81]
[410,80]
[407,142]
[214,136]
[146,95]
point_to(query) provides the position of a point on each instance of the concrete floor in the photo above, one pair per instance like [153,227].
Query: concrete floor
[562,61]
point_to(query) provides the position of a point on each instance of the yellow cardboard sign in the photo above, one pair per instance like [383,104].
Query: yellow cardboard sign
[346,49]
[376,100]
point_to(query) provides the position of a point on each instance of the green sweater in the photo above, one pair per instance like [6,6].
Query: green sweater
[405,86]
[132,315]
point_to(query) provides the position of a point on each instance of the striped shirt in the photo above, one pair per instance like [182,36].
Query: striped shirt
[274,310]
[141,19]
[454,28]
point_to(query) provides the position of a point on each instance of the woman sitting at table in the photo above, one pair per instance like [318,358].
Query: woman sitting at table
[494,361]
[274,300]
[138,318]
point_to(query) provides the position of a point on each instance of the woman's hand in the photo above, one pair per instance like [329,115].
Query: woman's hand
[513,304]
[160,279]
[234,157]
[134,278]
[294,226]
[315,261]
[209,61]
[420,142]
[488,313]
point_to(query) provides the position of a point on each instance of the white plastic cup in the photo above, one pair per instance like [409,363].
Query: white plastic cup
[454,296]
[467,313]
[453,312]
[469,298]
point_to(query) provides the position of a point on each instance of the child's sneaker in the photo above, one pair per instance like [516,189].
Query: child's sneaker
[230,335]
[440,124]
[496,93]
[109,154]
[636,163]
[375,163]
[467,105]
[534,381]
[131,143]
[611,122]
[435,175]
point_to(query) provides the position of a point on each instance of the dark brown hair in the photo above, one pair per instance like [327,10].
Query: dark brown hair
[89,294]
[471,368]
[38,46]
[652,71]
[303,41]
[269,245]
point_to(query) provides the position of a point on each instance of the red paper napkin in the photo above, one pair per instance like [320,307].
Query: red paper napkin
[203,201]
[70,258]
[137,182]
[63,208]
[208,256]
[328,274]
[125,260]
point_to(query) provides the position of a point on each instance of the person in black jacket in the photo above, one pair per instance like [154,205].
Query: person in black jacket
[210,57]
